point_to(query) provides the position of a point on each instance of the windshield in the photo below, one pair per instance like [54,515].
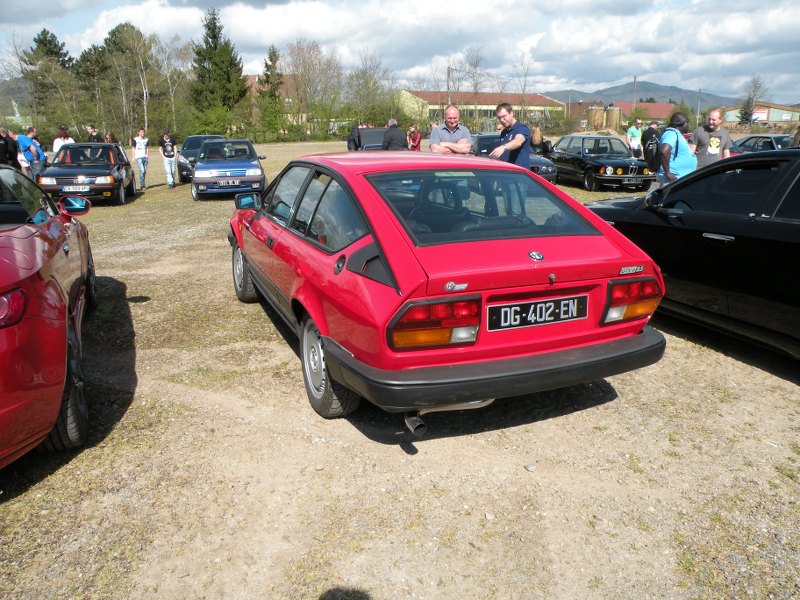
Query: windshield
[193,143]
[227,150]
[77,154]
[438,207]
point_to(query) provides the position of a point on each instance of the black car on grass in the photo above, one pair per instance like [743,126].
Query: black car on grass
[484,143]
[187,155]
[93,170]
[727,239]
[596,160]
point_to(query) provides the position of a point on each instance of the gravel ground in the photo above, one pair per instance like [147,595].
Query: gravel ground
[208,475]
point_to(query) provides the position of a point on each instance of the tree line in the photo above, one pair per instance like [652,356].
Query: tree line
[134,80]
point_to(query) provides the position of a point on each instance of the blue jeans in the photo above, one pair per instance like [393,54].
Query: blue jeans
[142,163]
[169,167]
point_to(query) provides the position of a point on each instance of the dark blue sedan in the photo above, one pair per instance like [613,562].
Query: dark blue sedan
[227,167]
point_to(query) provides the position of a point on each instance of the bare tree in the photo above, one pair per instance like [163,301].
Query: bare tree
[318,81]
[370,86]
[522,68]
[752,92]
[173,60]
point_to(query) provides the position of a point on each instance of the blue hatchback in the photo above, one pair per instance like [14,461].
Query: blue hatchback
[227,167]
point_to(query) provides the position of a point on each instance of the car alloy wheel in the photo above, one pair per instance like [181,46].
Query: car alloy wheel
[242,279]
[589,181]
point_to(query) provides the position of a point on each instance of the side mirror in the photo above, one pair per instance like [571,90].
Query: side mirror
[74,206]
[654,198]
[262,157]
[248,201]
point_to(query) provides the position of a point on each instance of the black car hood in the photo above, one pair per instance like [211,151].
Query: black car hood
[75,170]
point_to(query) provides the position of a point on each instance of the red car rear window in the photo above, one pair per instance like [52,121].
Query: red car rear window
[438,207]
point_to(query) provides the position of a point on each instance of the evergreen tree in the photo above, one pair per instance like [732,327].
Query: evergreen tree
[45,69]
[271,119]
[218,80]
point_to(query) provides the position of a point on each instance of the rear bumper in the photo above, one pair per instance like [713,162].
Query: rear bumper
[415,389]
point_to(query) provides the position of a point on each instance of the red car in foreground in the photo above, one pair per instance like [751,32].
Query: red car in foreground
[426,283]
[47,282]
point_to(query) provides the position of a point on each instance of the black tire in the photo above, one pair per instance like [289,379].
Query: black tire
[72,425]
[91,285]
[121,194]
[328,398]
[589,181]
[195,195]
[242,279]
[130,191]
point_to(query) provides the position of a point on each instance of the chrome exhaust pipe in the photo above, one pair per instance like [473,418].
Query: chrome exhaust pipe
[415,425]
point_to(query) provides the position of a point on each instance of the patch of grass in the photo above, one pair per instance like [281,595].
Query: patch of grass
[788,472]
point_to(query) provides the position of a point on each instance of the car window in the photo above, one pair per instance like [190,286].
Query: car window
[20,189]
[733,191]
[782,141]
[466,205]
[575,145]
[562,144]
[790,206]
[748,144]
[308,203]
[336,223]
[284,194]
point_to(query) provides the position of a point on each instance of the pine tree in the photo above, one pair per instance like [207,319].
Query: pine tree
[218,83]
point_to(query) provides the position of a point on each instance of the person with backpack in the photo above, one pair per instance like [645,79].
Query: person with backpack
[650,146]
[676,158]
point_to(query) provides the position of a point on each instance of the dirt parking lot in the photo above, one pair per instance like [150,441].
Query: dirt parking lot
[208,475]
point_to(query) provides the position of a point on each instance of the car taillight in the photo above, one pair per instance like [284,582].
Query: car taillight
[436,324]
[632,300]
[12,307]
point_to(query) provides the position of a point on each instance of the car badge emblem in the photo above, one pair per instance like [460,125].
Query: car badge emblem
[452,286]
[633,269]
[80,179]
[534,255]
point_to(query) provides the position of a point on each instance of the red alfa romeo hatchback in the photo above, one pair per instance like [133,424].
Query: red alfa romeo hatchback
[425,283]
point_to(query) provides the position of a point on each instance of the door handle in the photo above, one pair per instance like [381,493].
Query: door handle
[270,242]
[718,237]
[65,248]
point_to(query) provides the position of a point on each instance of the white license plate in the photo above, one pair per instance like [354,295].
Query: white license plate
[75,188]
[229,182]
[530,314]
[633,181]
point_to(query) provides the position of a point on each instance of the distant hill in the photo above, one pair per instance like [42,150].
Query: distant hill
[644,89]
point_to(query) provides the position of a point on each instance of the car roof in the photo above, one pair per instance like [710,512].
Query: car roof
[351,163]
[588,136]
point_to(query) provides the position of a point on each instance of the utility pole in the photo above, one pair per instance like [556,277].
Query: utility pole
[448,85]
[697,123]
[634,94]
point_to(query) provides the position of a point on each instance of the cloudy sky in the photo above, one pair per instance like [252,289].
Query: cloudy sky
[583,44]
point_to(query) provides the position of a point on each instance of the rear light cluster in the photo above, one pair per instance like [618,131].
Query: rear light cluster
[629,300]
[12,307]
[437,324]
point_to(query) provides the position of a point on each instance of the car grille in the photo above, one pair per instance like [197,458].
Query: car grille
[228,173]
[75,180]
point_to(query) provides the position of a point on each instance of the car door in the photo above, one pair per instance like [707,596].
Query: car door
[266,228]
[313,254]
[566,154]
[766,289]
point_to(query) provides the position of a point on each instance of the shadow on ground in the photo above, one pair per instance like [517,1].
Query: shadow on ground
[109,364]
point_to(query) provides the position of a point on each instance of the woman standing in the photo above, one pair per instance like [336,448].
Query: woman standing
[62,137]
[414,138]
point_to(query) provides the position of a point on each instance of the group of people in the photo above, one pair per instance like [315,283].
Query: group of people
[24,152]
[678,156]
[516,140]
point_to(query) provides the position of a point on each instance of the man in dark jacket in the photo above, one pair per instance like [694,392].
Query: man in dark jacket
[394,138]
[354,139]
